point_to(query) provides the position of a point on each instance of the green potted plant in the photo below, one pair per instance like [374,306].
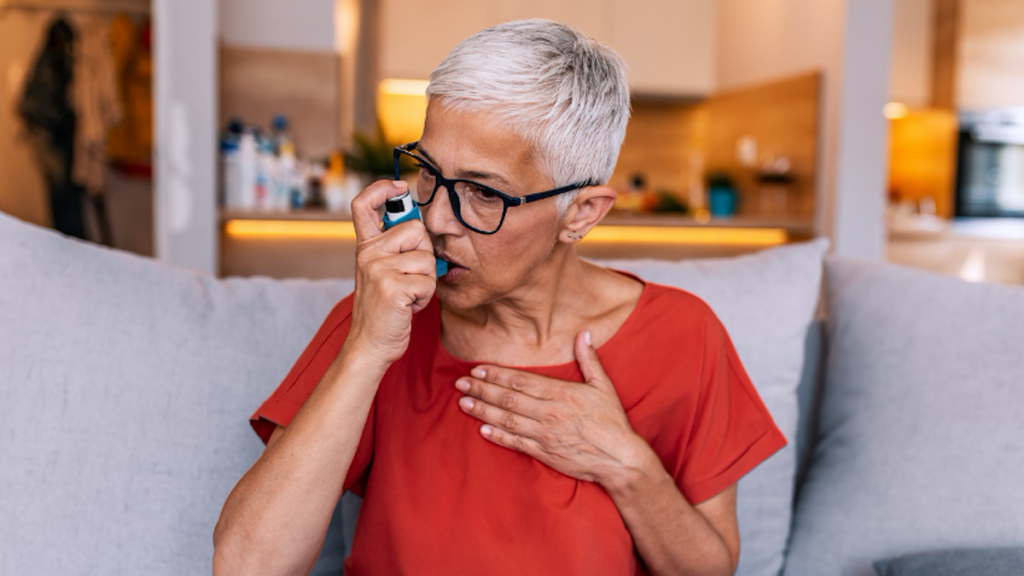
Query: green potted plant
[373,157]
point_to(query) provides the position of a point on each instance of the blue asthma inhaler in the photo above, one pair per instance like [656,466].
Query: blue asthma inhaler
[402,208]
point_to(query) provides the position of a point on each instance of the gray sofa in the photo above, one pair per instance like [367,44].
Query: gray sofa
[126,385]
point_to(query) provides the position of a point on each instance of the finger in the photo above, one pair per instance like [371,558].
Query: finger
[412,290]
[365,218]
[505,398]
[586,357]
[411,262]
[517,380]
[422,289]
[500,417]
[410,236]
[511,441]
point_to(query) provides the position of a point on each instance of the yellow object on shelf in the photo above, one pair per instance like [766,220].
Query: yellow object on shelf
[402,108]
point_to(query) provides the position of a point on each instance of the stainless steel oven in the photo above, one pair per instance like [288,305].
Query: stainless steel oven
[990,164]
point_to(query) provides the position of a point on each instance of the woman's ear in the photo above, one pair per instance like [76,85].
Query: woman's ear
[586,210]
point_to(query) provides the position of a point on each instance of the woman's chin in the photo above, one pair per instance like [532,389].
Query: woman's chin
[454,295]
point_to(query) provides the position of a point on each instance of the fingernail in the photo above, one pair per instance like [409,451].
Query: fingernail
[485,430]
[478,372]
[586,337]
[400,183]
[462,385]
[466,402]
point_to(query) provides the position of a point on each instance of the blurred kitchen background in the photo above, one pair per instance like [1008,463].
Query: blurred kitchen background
[230,135]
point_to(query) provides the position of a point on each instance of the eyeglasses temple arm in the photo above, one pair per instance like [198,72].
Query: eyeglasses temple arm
[542,195]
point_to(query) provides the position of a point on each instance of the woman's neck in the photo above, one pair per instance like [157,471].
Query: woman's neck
[528,313]
[536,323]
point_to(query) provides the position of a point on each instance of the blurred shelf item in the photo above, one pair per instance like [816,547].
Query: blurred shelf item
[988,228]
[916,226]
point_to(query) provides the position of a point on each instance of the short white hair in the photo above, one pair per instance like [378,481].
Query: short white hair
[562,91]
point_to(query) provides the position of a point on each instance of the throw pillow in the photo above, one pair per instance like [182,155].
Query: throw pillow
[766,302]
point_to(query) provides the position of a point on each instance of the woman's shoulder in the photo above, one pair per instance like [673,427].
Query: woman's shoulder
[675,310]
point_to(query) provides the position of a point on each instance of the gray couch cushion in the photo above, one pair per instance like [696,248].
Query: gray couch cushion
[126,386]
[960,562]
[766,301]
[921,421]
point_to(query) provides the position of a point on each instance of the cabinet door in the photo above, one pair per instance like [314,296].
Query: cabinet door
[669,45]
[416,35]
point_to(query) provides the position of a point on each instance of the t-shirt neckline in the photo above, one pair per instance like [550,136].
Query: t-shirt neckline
[604,347]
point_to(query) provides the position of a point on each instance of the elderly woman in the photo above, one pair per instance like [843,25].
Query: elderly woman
[527,412]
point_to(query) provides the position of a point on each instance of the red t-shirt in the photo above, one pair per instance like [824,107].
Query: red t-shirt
[441,499]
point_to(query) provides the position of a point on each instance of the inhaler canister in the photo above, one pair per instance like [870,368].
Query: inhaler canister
[402,208]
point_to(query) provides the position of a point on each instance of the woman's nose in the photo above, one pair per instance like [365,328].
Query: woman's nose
[439,217]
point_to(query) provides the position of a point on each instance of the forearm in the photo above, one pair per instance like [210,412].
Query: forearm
[277,514]
[670,534]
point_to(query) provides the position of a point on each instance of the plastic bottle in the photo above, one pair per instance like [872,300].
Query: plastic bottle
[298,195]
[266,172]
[286,177]
[229,164]
[334,191]
[279,133]
[247,160]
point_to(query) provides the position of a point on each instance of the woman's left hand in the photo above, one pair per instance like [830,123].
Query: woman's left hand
[579,429]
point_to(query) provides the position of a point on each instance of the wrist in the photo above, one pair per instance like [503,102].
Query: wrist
[361,359]
[634,472]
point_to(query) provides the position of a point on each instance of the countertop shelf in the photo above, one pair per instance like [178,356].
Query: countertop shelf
[790,224]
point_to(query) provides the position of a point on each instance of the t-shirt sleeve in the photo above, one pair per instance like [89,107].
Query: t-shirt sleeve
[284,403]
[732,431]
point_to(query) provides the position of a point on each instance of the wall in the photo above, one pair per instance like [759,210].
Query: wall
[662,143]
[21,187]
[849,42]
[991,53]
[306,25]
[910,75]
[781,118]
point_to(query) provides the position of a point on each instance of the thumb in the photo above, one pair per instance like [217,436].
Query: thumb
[586,357]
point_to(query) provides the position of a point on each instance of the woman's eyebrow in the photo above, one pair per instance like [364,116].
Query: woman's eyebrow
[468,174]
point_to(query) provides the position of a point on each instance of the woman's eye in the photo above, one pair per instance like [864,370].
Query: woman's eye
[482,193]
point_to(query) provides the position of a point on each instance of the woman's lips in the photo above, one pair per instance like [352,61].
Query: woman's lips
[453,274]
[455,270]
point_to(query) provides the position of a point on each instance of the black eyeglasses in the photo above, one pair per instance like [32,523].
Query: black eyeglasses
[477,206]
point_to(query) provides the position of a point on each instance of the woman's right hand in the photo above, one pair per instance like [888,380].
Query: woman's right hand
[395,276]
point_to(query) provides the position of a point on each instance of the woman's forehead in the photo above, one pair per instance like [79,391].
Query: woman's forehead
[475,144]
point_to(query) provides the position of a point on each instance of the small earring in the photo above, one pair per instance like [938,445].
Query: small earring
[574,236]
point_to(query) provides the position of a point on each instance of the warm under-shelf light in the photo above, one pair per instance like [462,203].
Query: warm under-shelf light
[687,235]
[607,234]
[290,228]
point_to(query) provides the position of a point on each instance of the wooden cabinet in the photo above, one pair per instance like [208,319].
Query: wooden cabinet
[669,45]
[416,35]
